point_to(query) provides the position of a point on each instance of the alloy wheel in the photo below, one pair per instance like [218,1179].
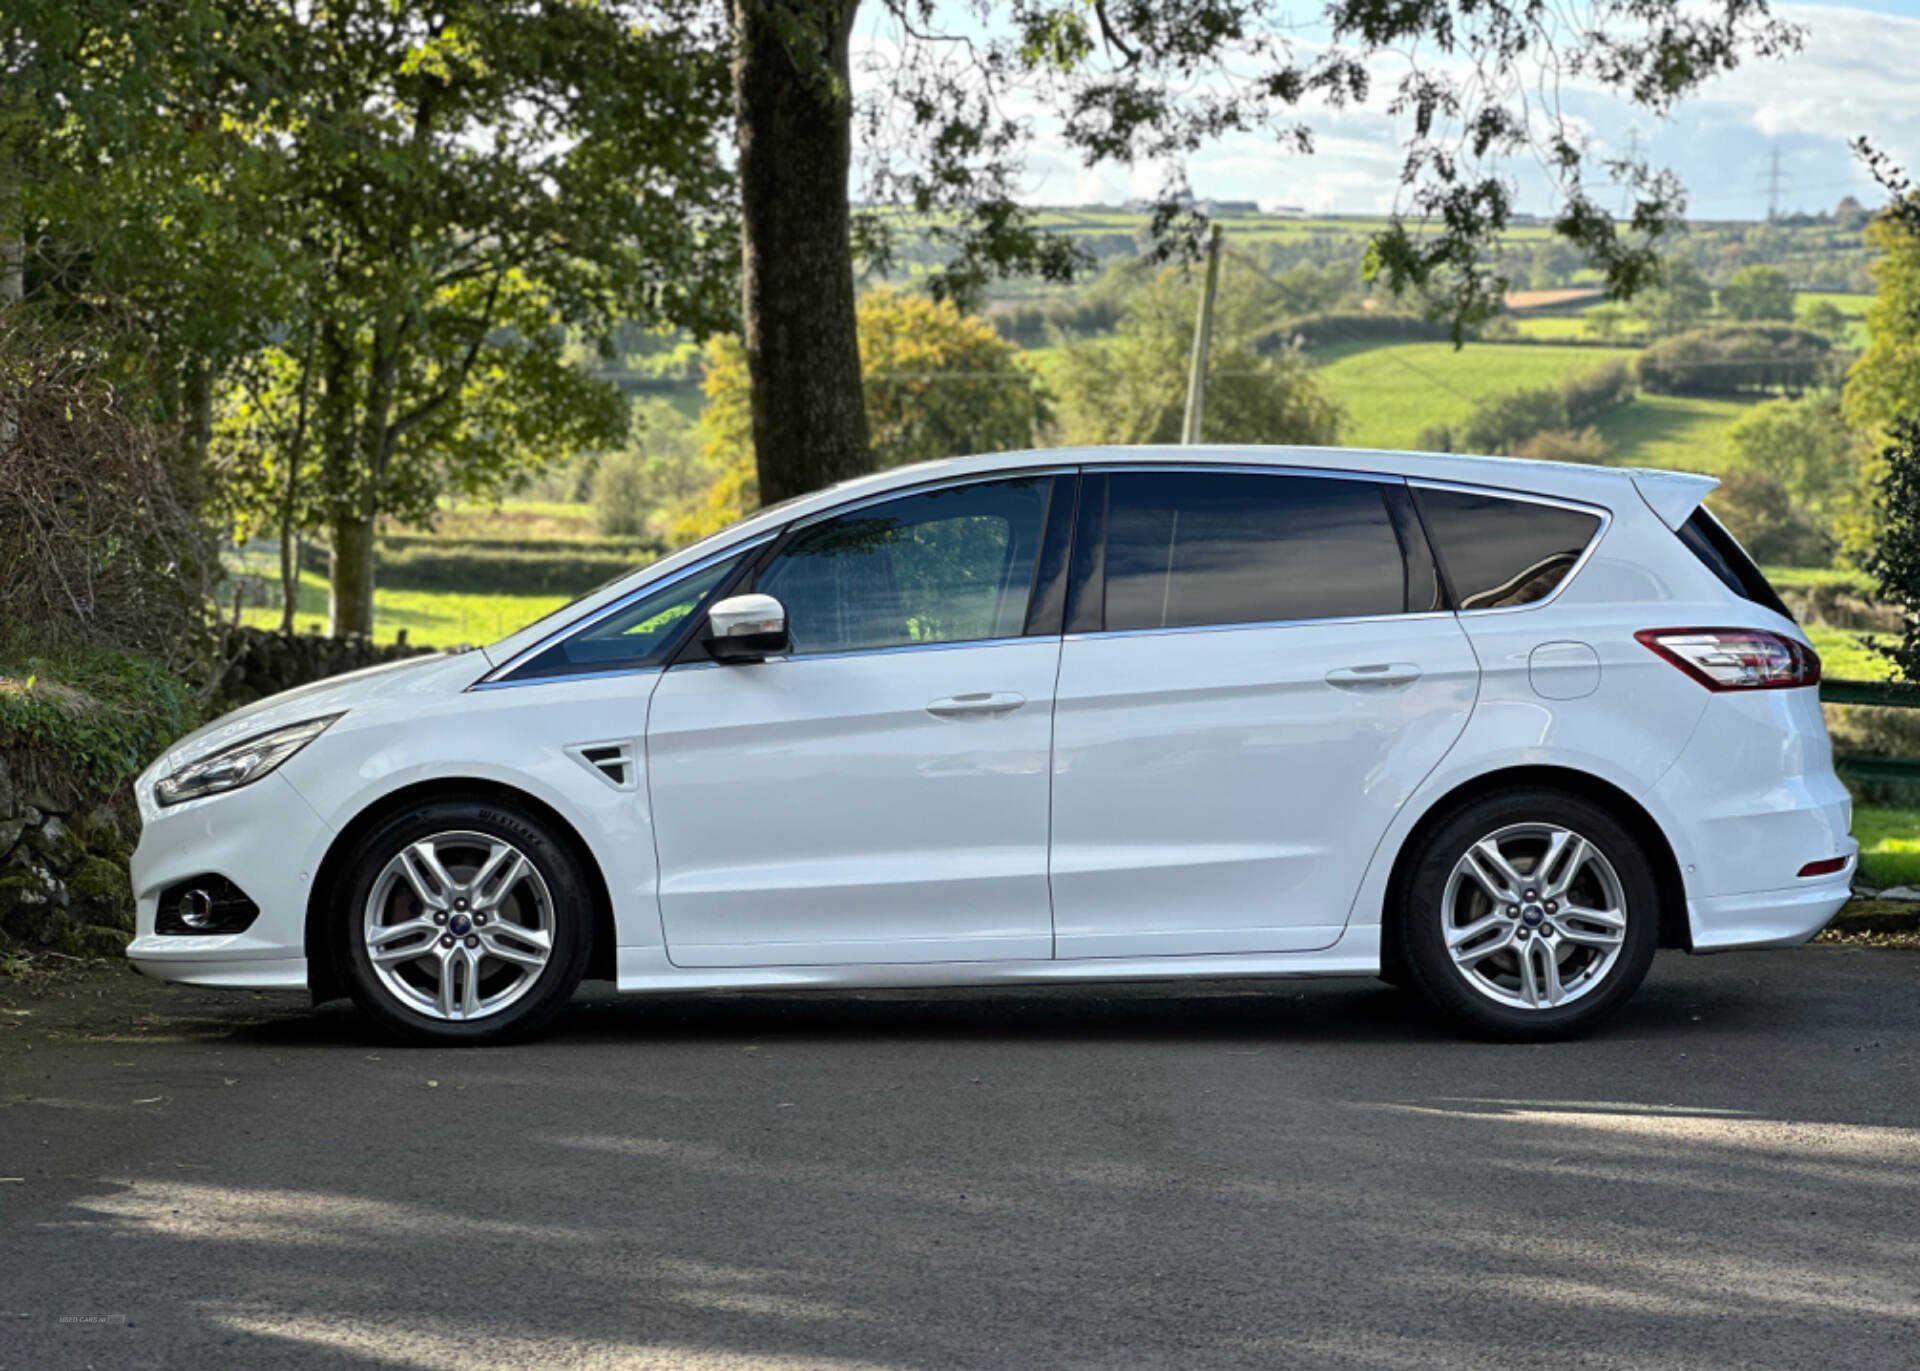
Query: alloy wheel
[459,925]
[1534,916]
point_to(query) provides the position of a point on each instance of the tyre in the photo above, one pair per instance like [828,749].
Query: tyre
[462,922]
[1529,915]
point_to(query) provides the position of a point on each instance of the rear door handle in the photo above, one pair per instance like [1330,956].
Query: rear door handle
[1374,676]
[983,704]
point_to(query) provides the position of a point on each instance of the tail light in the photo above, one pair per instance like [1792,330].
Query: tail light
[1736,658]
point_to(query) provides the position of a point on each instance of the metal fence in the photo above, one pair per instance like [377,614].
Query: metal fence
[1868,766]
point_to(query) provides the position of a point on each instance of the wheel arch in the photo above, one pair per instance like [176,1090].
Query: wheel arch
[1675,929]
[323,976]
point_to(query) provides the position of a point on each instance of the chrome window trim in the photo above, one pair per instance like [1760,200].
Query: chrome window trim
[497,676]
[950,483]
[1600,512]
[1053,638]
[1262,624]
[567,677]
[1245,469]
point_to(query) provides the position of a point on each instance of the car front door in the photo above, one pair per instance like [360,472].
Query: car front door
[880,792]
[1258,671]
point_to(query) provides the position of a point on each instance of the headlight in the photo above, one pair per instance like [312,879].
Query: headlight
[243,763]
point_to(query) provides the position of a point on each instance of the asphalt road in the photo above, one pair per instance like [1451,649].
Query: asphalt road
[1284,1175]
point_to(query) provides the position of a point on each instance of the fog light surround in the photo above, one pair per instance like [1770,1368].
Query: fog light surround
[204,905]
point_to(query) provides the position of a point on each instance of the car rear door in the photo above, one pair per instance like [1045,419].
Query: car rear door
[1258,671]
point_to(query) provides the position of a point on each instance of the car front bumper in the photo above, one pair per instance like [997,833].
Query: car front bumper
[269,842]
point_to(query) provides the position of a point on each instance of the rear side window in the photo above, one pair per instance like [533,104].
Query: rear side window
[1498,553]
[1192,548]
[1708,540]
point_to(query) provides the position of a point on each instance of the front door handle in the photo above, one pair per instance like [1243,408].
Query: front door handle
[1374,676]
[984,704]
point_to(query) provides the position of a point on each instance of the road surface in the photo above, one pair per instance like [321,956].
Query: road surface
[1277,1175]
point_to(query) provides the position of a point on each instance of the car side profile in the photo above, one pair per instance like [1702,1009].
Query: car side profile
[1491,729]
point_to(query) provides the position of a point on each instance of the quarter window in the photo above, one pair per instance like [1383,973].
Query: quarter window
[942,566]
[636,634]
[1185,549]
[1499,553]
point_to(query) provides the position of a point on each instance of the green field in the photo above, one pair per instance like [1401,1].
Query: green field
[1680,432]
[431,618]
[1889,845]
[1553,326]
[1391,393]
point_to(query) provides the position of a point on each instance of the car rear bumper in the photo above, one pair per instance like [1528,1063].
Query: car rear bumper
[1769,918]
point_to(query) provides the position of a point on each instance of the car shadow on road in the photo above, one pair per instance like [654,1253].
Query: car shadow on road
[1351,1010]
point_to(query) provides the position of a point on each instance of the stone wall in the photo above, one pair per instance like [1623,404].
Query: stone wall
[64,846]
[264,663]
[63,870]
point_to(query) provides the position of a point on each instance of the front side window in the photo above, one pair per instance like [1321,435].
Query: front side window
[637,634]
[942,566]
[1192,548]
[1499,553]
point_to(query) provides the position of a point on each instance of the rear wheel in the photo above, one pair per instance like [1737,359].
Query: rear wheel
[462,922]
[1530,914]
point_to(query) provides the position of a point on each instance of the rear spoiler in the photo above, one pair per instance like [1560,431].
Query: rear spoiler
[1673,495]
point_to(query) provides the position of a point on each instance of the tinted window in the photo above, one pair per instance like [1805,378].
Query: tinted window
[1192,548]
[1498,552]
[1708,540]
[953,565]
[634,635]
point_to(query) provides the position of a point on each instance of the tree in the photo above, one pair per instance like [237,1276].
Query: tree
[139,208]
[1131,388]
[939,383]
[1882,387]
[1679,300]
[954,97]
[1826,319]
[1804,445]
[935,383]
[469,179]
[1757,292]
[1894,560]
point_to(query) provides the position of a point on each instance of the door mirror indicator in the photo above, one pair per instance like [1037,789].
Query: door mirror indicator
[746,628]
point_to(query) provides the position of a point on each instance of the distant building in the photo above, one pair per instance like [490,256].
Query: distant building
[1280,211]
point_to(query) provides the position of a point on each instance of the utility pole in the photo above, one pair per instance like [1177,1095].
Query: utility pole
[1202,343]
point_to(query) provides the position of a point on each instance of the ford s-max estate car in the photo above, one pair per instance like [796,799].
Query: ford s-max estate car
[1492,729]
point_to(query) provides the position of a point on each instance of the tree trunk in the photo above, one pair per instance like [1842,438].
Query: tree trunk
[803,350]
[350,577]
[13,245]
[196,432]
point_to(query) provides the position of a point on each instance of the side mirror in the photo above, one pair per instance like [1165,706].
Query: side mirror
[746,628]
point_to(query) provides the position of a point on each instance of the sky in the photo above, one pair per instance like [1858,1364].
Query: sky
[1857,74]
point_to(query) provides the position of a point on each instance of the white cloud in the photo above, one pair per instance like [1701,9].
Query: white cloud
[1853,77]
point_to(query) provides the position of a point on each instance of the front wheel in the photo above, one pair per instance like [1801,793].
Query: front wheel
[1530,914]
[462,922]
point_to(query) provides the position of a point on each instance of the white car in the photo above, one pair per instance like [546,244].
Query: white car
[1490,728]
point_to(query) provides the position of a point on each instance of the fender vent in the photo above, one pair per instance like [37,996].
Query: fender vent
[612,762]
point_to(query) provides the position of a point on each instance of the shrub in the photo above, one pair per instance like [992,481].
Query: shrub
[1591,394]
[94,546]
[1565,445]
[87,718]
[1894,560]
[1351,326]
[1761,513]
[1502,423]
[1737,359]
